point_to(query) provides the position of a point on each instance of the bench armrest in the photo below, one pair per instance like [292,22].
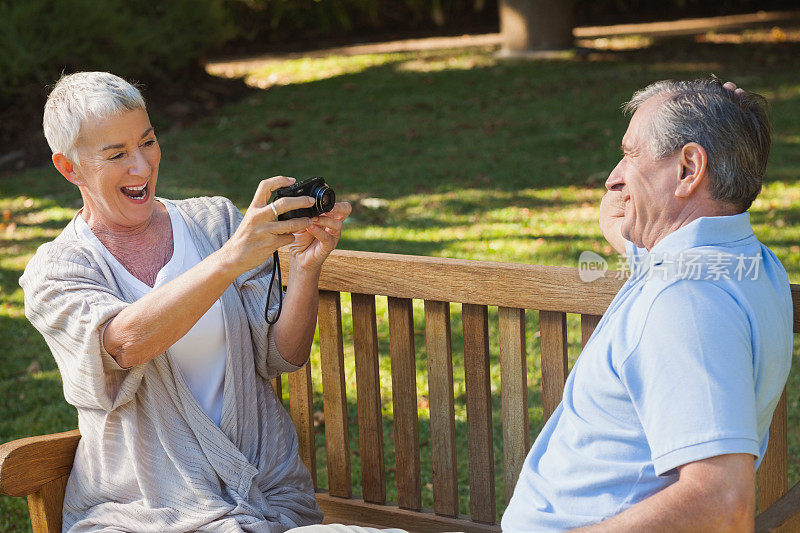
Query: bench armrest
[28,464]
[783,515]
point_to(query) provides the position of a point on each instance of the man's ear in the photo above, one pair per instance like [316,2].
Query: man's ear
[66,168]
[694,162]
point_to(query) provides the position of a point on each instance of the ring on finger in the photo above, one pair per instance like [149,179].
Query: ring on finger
[274,210]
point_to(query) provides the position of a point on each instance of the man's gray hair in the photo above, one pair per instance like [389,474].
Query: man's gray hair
[732,128]
[82,96]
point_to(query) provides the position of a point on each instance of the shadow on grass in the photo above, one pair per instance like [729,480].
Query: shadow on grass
[22,346]
[31,395]
[9,277]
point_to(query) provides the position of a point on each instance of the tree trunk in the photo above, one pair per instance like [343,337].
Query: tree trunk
[536,25]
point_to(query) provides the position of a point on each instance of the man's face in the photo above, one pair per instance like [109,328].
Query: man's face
[647,185]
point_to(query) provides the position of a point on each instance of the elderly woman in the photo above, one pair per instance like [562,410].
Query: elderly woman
[155,312]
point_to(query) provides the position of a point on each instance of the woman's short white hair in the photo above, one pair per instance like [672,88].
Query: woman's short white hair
[79,97]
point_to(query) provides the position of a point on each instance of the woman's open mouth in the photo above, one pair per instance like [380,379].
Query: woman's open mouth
[136,193]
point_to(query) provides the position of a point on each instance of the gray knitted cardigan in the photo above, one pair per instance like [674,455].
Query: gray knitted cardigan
[150,459]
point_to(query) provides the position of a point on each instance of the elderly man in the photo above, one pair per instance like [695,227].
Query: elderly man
[665,416]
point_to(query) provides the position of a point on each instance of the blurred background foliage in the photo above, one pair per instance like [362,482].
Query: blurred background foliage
[152,41]
[165,43]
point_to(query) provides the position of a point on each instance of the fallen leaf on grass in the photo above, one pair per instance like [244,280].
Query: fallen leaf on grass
[33,368]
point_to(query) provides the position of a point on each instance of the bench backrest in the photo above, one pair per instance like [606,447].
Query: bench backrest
[38,467]
[476,285]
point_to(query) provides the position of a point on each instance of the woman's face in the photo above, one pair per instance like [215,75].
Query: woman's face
[117,170]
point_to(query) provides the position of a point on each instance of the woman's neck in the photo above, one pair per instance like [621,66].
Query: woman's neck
[143,250]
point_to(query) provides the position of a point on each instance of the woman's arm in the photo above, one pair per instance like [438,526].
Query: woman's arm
[149,326]
[294,331]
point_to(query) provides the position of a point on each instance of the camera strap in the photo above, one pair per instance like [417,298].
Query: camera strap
[276,267]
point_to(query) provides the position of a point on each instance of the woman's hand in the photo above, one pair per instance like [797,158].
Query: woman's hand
[260,233]
[312,246]
[294,331]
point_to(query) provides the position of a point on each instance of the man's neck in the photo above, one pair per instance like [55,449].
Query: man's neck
[688,214]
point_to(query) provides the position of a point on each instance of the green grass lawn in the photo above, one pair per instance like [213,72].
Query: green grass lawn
[448,153]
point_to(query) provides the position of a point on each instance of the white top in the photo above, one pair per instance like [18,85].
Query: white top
[200,354]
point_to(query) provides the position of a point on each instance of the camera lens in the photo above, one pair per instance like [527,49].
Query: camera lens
[325,198]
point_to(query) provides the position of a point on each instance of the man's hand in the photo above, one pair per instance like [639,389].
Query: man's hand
[715,494]
[612,211]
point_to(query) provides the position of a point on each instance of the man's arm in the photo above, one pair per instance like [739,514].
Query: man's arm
[612,211]
[714,494]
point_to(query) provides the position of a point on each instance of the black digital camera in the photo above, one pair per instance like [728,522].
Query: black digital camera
[324,198]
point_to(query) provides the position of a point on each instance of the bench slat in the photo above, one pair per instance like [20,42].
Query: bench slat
[553,327]
[358,512]
[442,410]
[475,321]
[588,325]
[404,402]
[513,394]
[45,506]
[368,390]
[277,386]
[334,397]
[783,516]
[772,473]
[465,281]
[300,408]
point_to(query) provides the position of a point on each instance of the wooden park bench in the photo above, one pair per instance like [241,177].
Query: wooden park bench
[38,467]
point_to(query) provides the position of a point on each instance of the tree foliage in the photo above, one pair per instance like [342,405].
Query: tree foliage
[293,20]
[145,41]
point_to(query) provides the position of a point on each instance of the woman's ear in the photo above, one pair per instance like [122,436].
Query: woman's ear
[66,168]
[694,163]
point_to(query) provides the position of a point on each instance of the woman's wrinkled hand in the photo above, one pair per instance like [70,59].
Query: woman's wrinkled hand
[312,246]
[260,233]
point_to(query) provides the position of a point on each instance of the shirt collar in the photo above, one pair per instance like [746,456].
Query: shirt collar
[706,231]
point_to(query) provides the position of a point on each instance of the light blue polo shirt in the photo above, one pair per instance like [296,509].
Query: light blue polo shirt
[688,363]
